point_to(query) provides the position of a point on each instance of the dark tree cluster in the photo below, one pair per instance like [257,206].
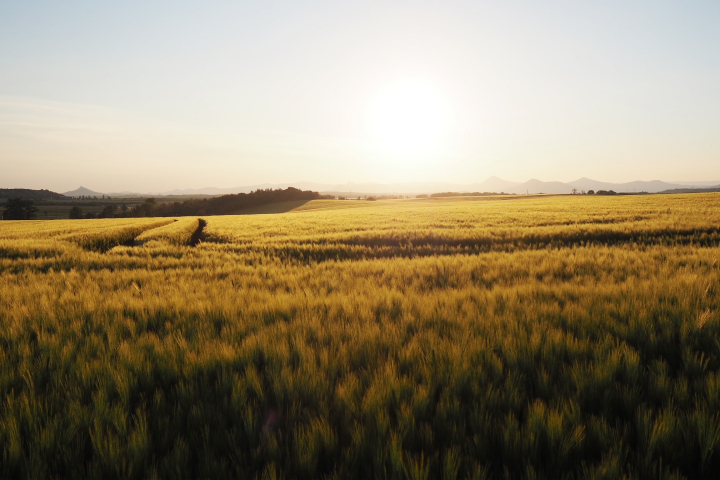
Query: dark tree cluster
[76,212]
[30,194]
[19,209]
[224,205]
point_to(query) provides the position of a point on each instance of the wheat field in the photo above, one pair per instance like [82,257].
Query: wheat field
[466,337]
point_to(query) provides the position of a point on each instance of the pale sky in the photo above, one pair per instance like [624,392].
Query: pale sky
[152,96]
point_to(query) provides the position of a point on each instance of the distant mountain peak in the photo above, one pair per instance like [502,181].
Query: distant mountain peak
[82,191]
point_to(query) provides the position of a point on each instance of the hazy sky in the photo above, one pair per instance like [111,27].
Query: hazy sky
[151,96]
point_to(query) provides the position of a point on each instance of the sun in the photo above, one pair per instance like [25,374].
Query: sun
[409,117]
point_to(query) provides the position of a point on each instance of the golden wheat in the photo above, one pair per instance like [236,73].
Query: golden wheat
[557,337]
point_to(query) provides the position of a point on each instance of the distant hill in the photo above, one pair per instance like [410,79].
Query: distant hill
[352,189]
[83,192]
[537,186]
[590,184]
[712,189]
[30,194]
[700,183]
[493,184]
[653,186]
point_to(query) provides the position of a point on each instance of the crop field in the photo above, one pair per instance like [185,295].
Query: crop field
[467,337]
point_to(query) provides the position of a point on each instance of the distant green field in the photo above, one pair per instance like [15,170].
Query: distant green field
[492,337]
[62,211]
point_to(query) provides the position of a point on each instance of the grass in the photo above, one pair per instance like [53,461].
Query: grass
[563,337]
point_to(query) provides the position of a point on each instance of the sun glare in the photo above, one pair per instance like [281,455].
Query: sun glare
[409,117]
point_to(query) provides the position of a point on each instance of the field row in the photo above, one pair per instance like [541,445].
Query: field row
[398,228]
[56,239]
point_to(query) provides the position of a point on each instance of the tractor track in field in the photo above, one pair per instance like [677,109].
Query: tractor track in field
[198,235]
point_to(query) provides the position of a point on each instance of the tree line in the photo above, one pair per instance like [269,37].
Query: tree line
[223,205]
[24,209]
[19,209]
